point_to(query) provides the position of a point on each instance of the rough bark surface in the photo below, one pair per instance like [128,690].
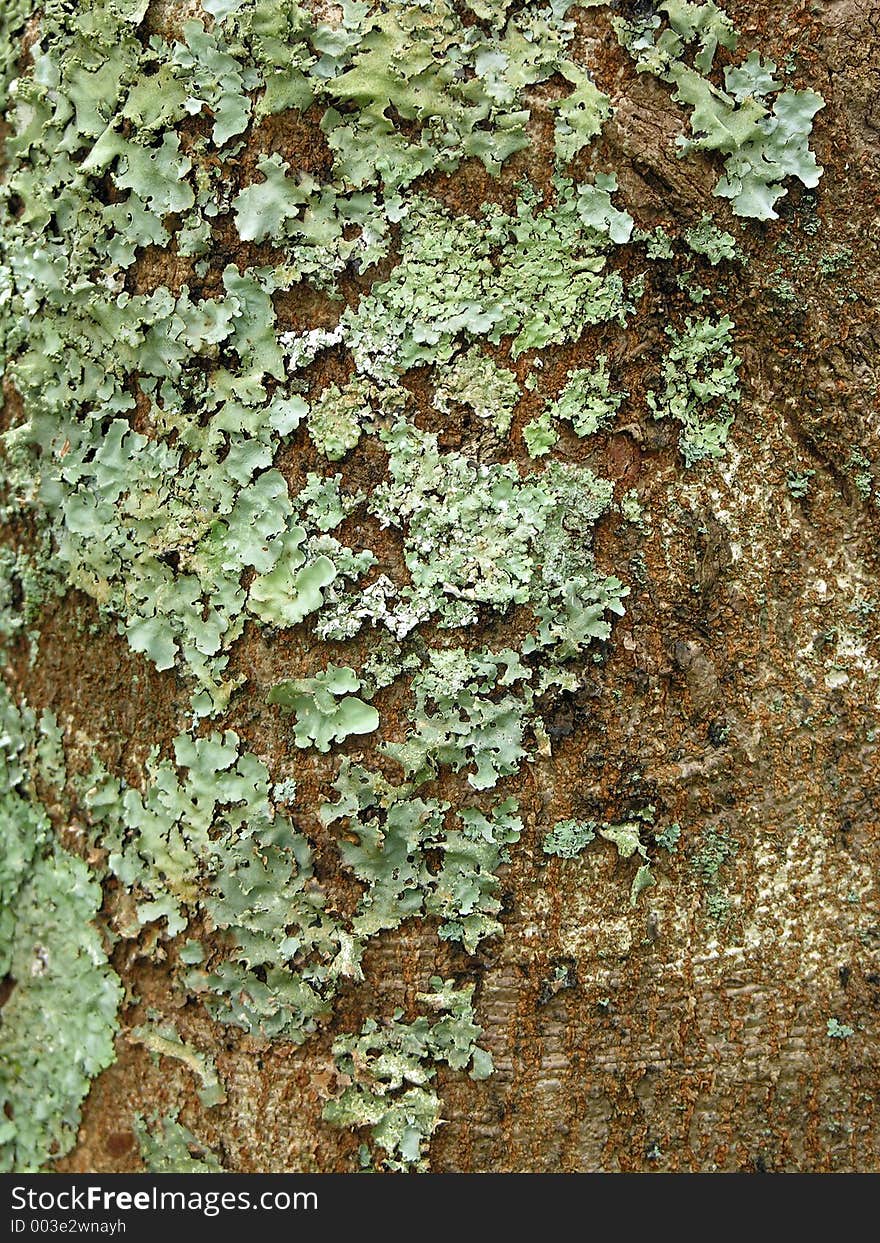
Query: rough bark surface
[739,695]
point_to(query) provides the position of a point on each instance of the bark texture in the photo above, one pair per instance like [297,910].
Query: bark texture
[738,696]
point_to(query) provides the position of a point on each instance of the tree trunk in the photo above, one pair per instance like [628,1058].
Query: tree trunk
[438,586]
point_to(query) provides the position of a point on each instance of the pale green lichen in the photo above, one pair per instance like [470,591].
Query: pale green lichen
[163,1040]
[658,243]
[151,458]
[700,386]
[632,510]
[586,401]
[643,879]
[337,417]
[798,483]
[474,380]
[481,535]
[324,709]
[626,836]
[669,837]
[168,1147]
[715,849]
[391,835]
[762,130]
[59,1020]
[392,1065]
[569,838]
[460,720]
[213,842]
[706,238]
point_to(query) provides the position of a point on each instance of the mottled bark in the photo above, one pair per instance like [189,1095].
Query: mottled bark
[739,696]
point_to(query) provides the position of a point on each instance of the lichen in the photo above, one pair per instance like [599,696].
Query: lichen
[390,836]
[569,838]
[716,244]
[715,849]
[700,386]
[586,401]
[168,1147]
[213,842]
[163,405]
[391,1065]
[762,130]
[474,380]
[324,709]
[59,1021]
[163,1040]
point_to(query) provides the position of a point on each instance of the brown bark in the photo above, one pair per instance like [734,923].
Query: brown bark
[668,1040]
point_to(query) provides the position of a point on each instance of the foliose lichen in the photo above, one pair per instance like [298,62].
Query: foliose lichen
[158,388]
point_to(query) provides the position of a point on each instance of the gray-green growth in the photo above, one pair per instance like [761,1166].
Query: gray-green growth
[148,457]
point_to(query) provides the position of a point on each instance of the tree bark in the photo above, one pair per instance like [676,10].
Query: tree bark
[725,1019]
